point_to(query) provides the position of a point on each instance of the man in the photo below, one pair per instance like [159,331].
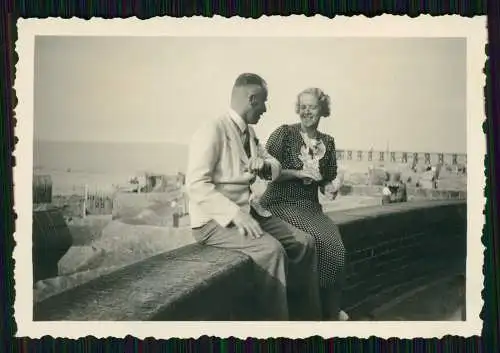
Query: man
[224,160]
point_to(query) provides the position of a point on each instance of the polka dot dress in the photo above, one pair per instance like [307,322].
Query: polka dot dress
[298,203]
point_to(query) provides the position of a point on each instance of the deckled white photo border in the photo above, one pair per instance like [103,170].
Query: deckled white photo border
[474,29]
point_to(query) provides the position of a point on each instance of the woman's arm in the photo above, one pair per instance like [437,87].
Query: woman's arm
[287,174]
[329,167]
[291,174]
[275,146]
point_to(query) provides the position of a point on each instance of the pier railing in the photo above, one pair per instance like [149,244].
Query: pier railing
[402,157]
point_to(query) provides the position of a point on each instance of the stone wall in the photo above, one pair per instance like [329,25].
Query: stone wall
[412,192]
[391,250]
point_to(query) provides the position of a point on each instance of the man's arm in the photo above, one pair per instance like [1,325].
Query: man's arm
[204,153]
[272,167]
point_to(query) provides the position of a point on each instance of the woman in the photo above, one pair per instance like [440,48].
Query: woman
[309,163]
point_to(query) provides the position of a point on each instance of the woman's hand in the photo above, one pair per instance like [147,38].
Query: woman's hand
[330,191]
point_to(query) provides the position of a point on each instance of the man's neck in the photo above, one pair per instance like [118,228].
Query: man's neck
[238,120]
[240,113]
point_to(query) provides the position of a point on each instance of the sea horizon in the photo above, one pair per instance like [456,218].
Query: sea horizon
[122,157]
[109,157]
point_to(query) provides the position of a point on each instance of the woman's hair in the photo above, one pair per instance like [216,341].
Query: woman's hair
[323,101]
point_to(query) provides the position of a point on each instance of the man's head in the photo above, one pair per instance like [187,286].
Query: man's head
[249,97]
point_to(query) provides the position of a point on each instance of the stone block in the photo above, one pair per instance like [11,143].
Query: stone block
[147,208]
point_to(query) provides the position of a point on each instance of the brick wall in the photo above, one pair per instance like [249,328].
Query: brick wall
[392,252]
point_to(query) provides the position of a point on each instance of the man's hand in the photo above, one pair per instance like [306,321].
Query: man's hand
[256,164]
[247,225]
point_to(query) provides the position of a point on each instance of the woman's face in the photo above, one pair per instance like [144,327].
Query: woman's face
[309,110]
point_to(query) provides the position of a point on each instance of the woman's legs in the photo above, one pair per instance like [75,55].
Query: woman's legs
[331,300]
[330,251]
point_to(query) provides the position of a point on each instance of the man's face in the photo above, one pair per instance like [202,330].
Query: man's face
[257,105]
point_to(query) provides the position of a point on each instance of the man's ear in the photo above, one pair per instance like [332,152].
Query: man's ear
[252,98]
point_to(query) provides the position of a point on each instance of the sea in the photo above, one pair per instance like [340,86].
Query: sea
[104,165]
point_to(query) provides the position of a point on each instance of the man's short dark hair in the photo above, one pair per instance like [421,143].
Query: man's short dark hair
[247,79]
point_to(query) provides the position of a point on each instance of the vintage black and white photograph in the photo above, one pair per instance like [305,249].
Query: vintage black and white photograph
[253,178]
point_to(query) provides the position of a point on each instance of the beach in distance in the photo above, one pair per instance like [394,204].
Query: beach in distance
[104,165]
[101,165]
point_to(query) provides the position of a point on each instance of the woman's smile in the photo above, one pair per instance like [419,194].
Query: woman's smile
[308,118]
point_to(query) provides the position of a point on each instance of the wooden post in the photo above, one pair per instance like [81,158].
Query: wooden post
[85,195]
[175,214]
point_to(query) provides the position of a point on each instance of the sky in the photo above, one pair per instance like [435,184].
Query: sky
[405,93]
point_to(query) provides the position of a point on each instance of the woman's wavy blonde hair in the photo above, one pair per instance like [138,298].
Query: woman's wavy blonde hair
[323,101]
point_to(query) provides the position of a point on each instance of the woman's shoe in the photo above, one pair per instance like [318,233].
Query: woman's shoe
[343,316]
